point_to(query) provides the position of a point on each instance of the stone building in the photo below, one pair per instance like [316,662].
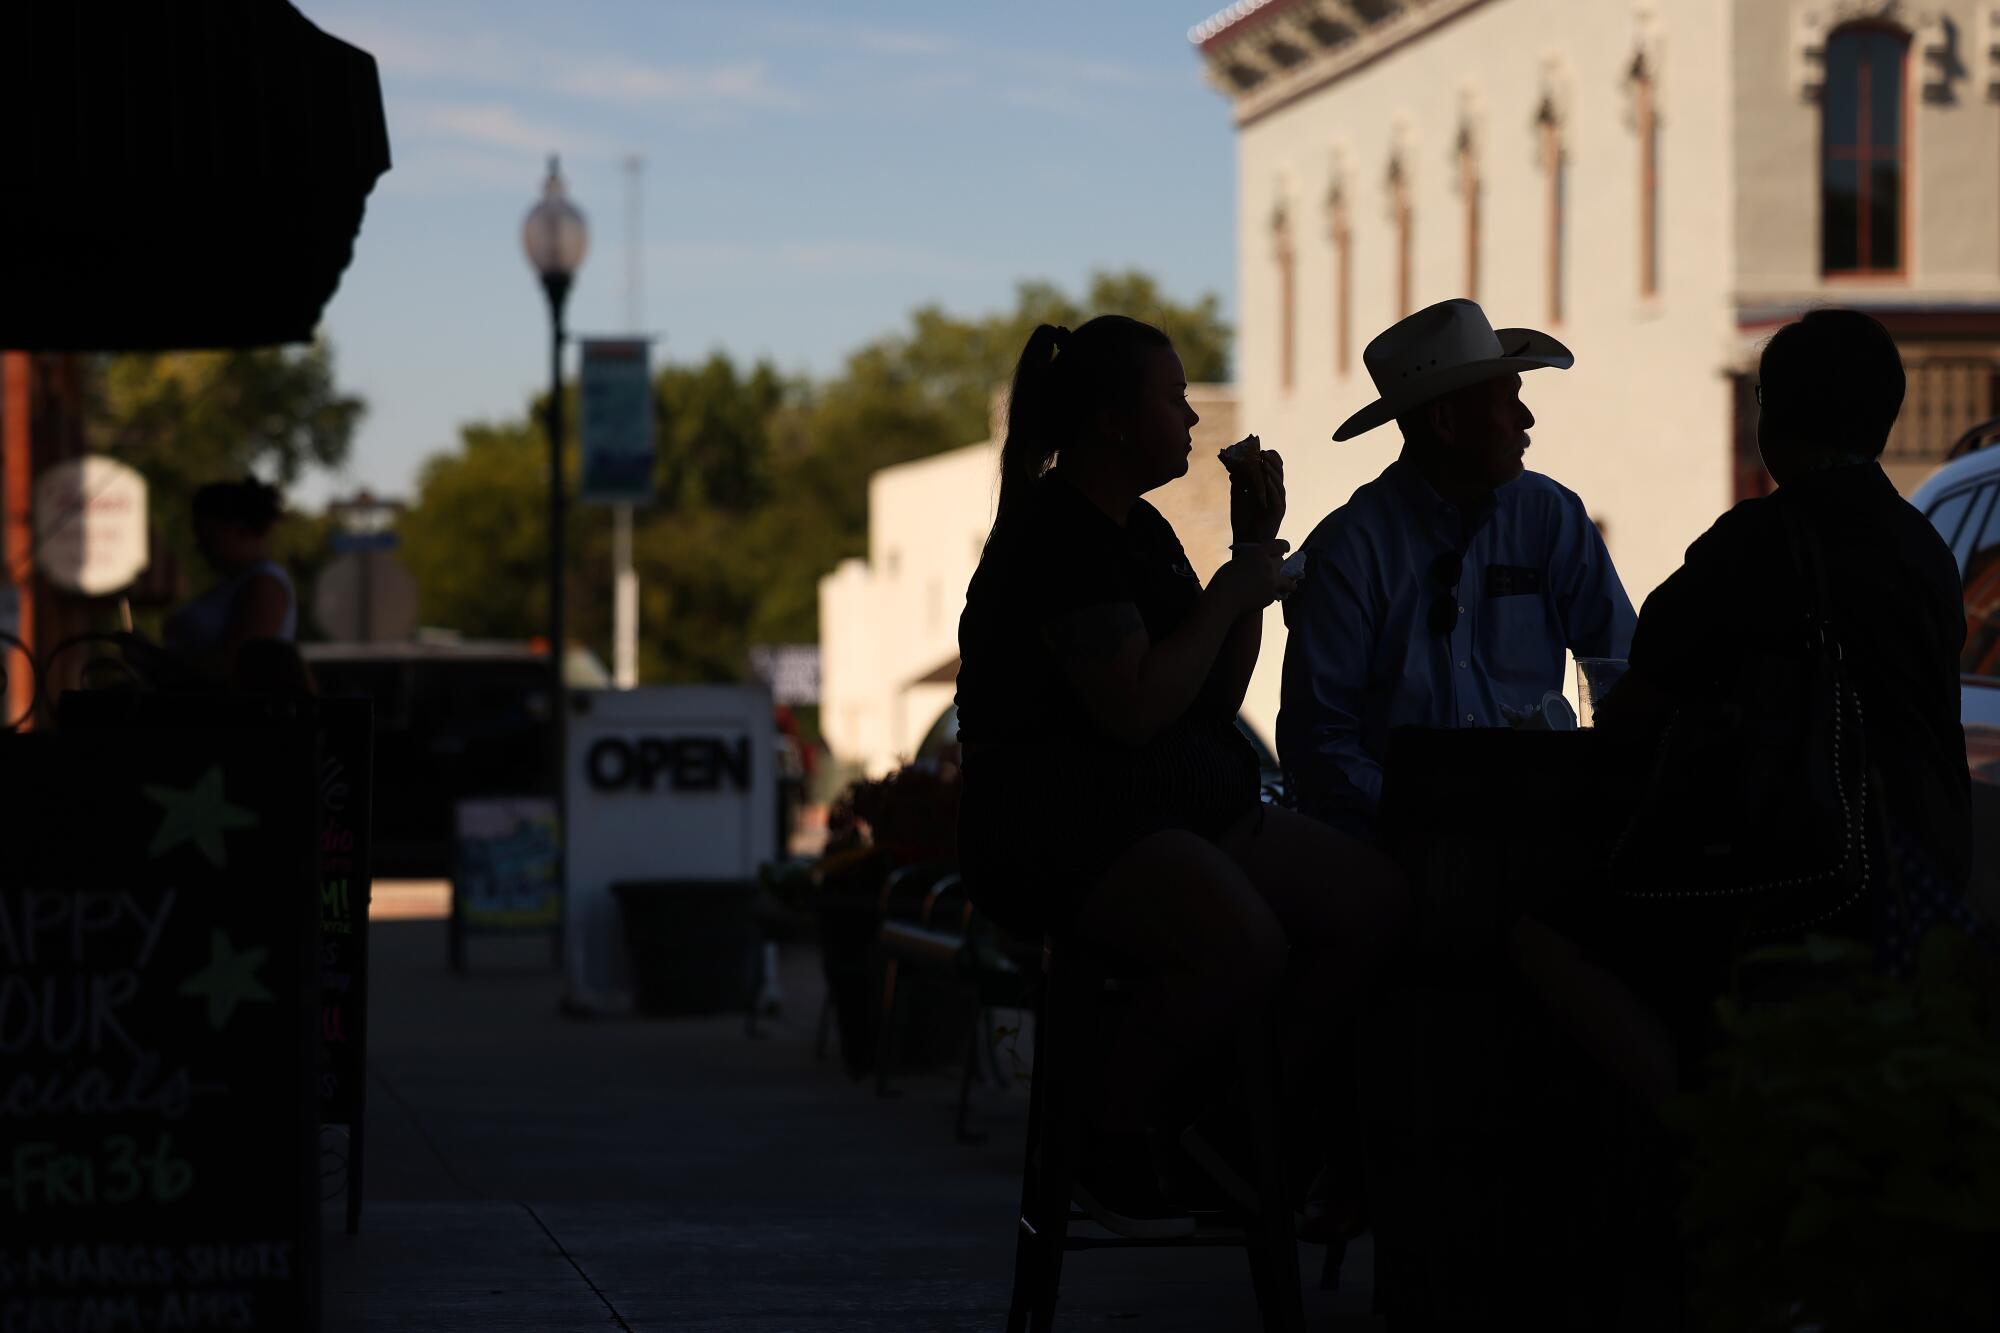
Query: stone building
[1659,183]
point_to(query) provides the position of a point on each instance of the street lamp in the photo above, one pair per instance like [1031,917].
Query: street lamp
[555,238]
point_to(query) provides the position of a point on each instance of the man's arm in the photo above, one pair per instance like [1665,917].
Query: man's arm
[1597,616]
[1331,630]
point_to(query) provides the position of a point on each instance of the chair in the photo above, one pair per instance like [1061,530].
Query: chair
[999,972]
[924,914]
[1076,979]
[950,941]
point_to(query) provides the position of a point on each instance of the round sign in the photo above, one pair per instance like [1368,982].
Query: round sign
[90,525]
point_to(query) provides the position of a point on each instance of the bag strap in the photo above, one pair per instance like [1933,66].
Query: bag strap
[1809,562]
[1892,868]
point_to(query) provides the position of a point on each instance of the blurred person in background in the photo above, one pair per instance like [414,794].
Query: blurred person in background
[252,597]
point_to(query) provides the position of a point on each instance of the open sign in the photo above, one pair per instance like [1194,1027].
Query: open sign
[665,783]
[690,763]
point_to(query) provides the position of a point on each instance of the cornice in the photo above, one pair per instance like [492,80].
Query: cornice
[1265,54]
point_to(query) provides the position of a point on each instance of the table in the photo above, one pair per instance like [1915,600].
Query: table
[1492,1146]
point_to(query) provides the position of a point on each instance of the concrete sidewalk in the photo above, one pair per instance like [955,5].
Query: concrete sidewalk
[535,1172]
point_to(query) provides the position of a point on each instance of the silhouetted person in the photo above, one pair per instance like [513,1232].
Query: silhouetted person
[253,598]
[1446,591]
[1636,981]
[1108,797]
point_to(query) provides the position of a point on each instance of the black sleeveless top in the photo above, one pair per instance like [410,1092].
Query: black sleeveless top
[1049,801]
[1052,555]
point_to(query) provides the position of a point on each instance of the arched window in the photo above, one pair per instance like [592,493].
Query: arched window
[1343,276]
[1864,143]
[1286,257]
[1399,217]
[1468,191]
[1646,123]
[1555,172]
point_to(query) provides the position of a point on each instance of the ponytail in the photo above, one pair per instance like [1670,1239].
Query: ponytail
[1060,382]
[1033,414]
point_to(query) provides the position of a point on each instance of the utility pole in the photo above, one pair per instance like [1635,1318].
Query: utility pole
[624,579]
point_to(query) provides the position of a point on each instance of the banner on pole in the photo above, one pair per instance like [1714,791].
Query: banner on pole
[616,424]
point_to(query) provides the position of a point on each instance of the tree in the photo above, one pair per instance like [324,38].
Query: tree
[184,419]
[476,539]
[917,393]
[956,363]
[711,431]
[761,483]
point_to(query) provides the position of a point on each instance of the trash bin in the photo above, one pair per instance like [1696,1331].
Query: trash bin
[693,943]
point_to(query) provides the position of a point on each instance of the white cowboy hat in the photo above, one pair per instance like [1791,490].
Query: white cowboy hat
[1440,348]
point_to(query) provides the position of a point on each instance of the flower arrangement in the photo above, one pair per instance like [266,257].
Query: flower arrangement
[909,817]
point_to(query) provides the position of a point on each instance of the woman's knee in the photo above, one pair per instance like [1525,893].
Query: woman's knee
[1180,904]
[1328,888]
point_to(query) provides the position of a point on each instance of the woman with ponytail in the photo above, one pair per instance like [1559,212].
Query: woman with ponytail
[1109,797]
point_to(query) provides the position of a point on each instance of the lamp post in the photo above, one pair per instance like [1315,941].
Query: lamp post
[555,237]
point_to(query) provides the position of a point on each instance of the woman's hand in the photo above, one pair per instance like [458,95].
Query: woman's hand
[1254,578]
[1256,490]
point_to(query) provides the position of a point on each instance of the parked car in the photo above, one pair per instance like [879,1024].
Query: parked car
[1962,501]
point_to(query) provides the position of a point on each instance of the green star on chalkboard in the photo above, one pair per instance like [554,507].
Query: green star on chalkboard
[200,814]
[229,979]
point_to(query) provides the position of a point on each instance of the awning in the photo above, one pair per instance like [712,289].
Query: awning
[184,174]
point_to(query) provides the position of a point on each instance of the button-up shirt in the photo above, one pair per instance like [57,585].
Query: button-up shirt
[1361,656]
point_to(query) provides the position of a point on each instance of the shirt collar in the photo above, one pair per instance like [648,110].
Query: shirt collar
[1418,493]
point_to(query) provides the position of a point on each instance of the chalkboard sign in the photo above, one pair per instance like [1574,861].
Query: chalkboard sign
[346,772]
[344,841]
[158,1017]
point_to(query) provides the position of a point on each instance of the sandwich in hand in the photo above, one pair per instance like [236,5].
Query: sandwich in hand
[1236,455]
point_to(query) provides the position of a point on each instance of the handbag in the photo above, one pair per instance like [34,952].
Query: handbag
[1756,810]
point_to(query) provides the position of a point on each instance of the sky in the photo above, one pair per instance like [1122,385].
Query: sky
[811,173]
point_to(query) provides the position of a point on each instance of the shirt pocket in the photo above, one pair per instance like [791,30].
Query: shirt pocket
[1519,642]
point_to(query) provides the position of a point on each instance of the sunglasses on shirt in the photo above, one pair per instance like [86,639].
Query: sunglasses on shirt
[1446,571]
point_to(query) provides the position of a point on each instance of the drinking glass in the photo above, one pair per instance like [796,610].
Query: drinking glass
[1594,678]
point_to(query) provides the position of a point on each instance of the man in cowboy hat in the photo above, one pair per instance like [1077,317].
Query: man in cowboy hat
[1444,592]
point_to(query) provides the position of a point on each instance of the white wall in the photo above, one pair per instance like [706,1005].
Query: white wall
[893,618]
[851,718]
